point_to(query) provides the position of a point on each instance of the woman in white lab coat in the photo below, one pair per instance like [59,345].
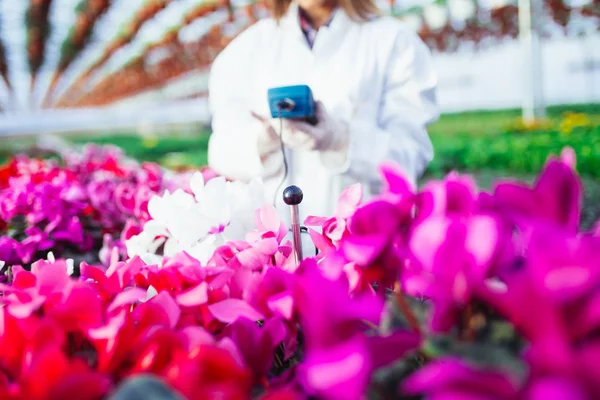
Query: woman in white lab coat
[374,82]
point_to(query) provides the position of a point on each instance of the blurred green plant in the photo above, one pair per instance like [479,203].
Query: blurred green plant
[520,148]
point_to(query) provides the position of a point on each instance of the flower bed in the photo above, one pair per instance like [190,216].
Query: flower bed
[519,148]
[448,292]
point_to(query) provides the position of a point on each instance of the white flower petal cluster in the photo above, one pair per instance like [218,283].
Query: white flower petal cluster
[215,212]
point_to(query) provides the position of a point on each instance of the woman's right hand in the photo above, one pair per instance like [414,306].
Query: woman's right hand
[268,139]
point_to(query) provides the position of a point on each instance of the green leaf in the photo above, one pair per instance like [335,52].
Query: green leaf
[395,319]
[481,354]
[385,382]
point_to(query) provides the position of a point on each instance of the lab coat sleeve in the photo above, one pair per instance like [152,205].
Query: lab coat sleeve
[232,149]
[399,135]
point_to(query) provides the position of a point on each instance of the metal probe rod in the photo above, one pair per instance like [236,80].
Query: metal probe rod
[292,196]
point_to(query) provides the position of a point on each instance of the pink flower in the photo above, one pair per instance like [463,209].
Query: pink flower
[257,345]
[268,224]
[555,197]
[339,357]
[334,228]
[455,195]
[373,243]
[454,379]
[207,372]
[449,259]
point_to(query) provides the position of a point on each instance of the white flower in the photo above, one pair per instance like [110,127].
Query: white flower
[218,211]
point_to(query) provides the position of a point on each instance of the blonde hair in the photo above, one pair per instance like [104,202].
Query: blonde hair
[358,10]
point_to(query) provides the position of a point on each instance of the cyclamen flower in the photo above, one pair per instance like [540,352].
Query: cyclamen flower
[94,159]
[449,259]
[377,232]
[554,199]
[372,244]
[454,195]
[334,228]
[339,357]
[64,337]
[559,281]
[257,344]
[43,207]
[198,223]
[454,379]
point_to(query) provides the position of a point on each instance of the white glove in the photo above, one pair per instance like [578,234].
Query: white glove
[268,138]
[329,134]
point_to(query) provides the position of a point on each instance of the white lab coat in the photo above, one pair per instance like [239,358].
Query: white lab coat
[377,76]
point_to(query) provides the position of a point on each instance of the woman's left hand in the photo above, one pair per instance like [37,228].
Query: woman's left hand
[329,134]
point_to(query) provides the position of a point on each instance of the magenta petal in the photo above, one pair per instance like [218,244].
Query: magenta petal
[395,179]
[126,298]
[418,284]
[587,319]
[197,336]
[315,221]
[267,246]
[443,317]
[560,192]
[453,375]
[270,218]
[50,277]
[257,345]
[320,241]
[334,265]
[229,310]
[568,280]
[375,217]
[461,192]
[341,372]
[252,259]
[349,200]
[366,307]
[24,310]
[182,258]
[222,279]
[110,330]
[568,156]
[282,304]
[427,238]
[556,389]
[364,249]
[515,197]
[194,297]
[169,305]
[385,350]
[335,229]
[483,237]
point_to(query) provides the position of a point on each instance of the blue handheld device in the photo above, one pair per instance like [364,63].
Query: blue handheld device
[292,102]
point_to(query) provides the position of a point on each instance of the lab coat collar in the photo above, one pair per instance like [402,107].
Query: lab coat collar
[291,21]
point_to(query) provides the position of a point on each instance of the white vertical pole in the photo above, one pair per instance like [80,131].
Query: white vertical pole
[529,35]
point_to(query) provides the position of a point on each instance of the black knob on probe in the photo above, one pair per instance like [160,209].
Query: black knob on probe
[292,195]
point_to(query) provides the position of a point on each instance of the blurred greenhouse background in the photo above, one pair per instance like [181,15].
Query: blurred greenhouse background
[517,79]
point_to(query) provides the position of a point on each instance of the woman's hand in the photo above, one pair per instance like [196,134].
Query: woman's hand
[293,137]
[268,139]
[329,134]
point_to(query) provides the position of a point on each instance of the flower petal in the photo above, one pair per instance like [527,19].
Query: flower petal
[229,310]
[194,297]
